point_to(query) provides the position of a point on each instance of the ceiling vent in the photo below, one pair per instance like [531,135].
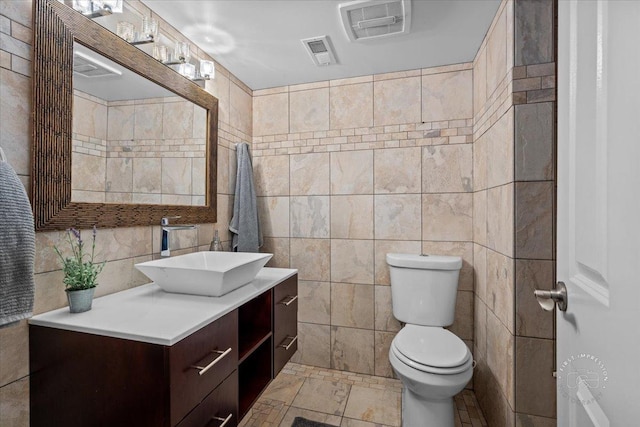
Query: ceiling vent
[369,19]
[319,50]
[88,66]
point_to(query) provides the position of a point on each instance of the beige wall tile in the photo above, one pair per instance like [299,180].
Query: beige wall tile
[120,175]
[382,248]
[177,120]
[311,258]
[480,148]
[447,168]
[480,329]
[310,216]
[463,323]
[480,217]
[500,218]
[199,122]
[500,151]
[447,96]
[495,406]
[14,404]
[352,217]
[274,216]
[219,87]
[314,345]
[148,121]
[198,176]
[480,271]
[352,261]
[271,114]
[535,142]
[15,116]
[447,217]
[397,216]
[121,123]
[500,287]
[176,175]
[535,384]
[89,117]
[241,115]
[309,110]
[49,292]
[147,175]
[397,170]
[396,101]
[480,81]
[310,174]
[382,345]
[527,420]
[279,247]
[352,349]
[500,356]
[314,303]
[222,177]
[351,106]
[461,249]
[352,172]
[384,320]
[271,175]
[497,54]
[88,172]
[14,352]
[352,305]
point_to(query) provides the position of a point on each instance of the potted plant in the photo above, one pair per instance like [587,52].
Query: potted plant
[80,272]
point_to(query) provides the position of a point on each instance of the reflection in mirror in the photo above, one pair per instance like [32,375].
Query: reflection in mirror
[133,140]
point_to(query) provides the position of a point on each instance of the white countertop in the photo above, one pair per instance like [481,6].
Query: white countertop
[148,314]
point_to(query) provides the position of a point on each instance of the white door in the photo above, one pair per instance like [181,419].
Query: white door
[598,357]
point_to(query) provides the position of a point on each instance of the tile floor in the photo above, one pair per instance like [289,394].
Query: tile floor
[341,399]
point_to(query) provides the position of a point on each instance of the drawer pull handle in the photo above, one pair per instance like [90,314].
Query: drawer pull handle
[203,369]
[224,420]
[287,301]
[288,346]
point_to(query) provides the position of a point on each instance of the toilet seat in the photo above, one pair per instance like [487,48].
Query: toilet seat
[431,349]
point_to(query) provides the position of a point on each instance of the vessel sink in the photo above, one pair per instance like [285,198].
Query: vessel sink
[205,273]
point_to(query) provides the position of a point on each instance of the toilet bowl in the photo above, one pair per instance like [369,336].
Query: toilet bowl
[433,368]
[433,363]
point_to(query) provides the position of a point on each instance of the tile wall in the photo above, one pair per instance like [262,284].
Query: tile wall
[349,170]
[121,247]
[138,151]
[513,218]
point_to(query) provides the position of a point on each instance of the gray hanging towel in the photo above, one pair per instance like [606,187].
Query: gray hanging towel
[245,224]
[17,248]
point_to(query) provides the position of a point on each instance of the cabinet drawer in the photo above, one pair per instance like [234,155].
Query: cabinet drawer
[285,322]
[219,406]
[200,362]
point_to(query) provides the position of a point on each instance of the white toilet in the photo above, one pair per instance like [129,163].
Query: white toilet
[432,363]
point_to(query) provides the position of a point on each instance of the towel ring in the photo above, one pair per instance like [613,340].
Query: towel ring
[3,158]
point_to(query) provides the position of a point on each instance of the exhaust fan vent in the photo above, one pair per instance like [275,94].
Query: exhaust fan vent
[87,66]
[319,50]
[368,19]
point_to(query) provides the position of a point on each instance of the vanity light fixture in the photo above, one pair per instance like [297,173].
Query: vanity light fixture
[207,70]
[96,8]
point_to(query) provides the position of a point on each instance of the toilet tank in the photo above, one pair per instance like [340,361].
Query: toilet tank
[424,288]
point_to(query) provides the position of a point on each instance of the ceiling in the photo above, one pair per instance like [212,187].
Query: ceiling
[259,40]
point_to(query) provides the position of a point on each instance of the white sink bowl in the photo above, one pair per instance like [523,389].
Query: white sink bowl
[205,273]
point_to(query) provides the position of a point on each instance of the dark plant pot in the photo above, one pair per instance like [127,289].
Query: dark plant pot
[80,301]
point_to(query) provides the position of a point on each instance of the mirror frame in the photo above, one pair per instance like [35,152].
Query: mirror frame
[56,28]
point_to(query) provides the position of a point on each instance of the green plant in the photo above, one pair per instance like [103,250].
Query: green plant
[80,270]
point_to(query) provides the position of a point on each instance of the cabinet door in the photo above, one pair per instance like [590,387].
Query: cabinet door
[200,362]
[285,322]
[219,408]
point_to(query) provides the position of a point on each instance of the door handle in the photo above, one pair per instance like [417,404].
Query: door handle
[548,299]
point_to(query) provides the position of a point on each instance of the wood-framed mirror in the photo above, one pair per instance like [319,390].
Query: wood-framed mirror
[57,202]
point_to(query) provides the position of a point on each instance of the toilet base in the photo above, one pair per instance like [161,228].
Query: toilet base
[420,412]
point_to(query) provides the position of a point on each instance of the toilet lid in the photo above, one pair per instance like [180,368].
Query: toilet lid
[431,346]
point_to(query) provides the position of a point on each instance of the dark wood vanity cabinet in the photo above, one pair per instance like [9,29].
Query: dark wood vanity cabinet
[211,377]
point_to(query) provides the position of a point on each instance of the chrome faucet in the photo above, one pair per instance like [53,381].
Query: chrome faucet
[165,250]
